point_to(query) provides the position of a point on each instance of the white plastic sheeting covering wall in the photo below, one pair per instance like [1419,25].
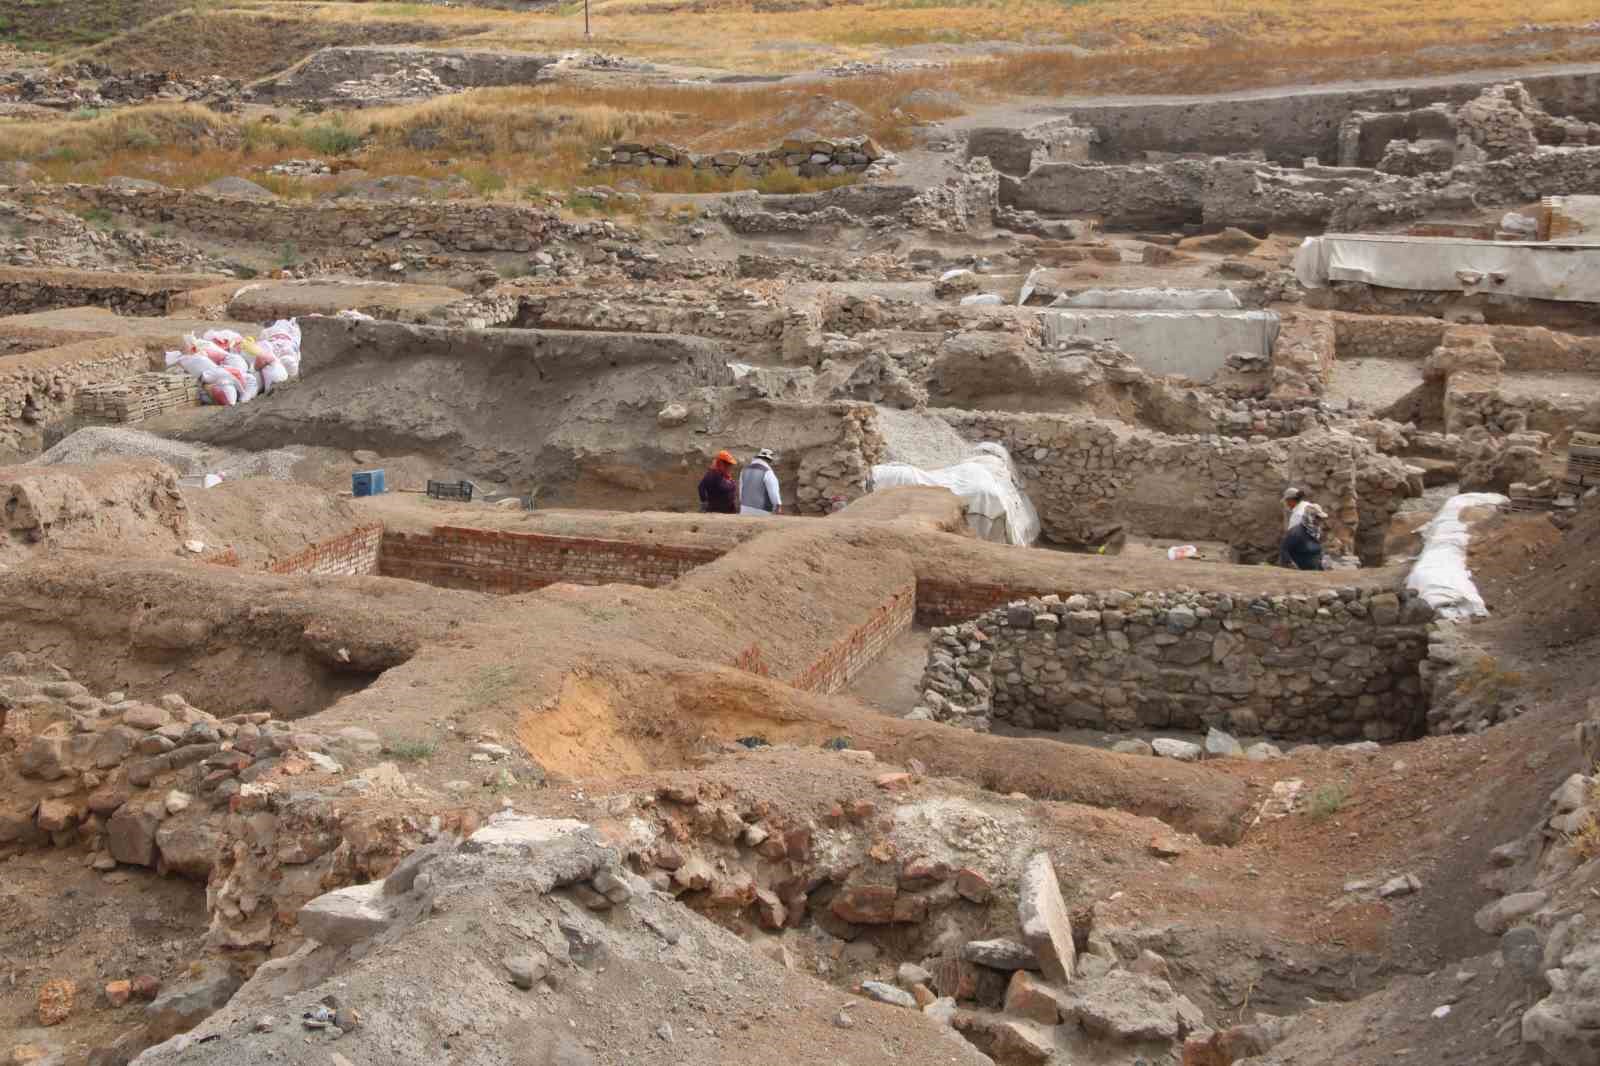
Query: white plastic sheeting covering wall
[1440,575]
[1540,270]
[987,482]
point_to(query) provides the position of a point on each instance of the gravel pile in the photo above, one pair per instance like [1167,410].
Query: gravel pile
[97,443]
[920,439]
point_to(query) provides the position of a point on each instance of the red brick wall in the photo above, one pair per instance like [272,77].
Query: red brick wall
[350,554]
[941,603]
[834,669]
[488,560]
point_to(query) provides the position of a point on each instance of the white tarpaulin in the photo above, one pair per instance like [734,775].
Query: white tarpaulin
[997,508]
[1539,270]
[1440,575]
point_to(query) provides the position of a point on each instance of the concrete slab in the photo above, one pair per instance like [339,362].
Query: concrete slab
[1192,343]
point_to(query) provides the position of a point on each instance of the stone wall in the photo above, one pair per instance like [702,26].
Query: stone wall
[24,290]
[807,154]
[503,562]
[39,389]
[462,68]
[1090,479]
[461,226]
[1337,664]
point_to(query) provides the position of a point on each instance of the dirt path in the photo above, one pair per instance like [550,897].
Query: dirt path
[894,682]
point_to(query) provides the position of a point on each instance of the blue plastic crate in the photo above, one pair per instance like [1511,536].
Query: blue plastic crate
[367,482]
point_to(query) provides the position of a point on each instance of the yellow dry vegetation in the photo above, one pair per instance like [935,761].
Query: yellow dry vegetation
[505,142]
[787,37]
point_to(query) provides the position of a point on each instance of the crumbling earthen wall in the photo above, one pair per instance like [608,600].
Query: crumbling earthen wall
[1092,479]
[462,226]
[25,290]
[1292,125]
[504,562]
[1337,664]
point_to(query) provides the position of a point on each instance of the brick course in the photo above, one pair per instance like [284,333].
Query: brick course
[499,561]
[350,554]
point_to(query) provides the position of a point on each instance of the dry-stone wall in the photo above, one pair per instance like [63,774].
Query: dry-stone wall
[40,388]
[1336,664]
[807,153]
[453,225]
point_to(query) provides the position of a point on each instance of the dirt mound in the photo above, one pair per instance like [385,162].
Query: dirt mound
[245,44]
[77,22]
[127,508]
[1557,601]
[262,519]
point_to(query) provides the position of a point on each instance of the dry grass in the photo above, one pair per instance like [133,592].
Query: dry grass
[730,34]
[505,143]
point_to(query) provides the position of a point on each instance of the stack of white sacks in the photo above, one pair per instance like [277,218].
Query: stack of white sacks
[233,368]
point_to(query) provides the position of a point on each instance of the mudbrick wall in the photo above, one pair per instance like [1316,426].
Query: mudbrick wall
[1409,337]
[1091,479]
[498,561]
[462,226]
[40,388]
[1336,664]
[350,554]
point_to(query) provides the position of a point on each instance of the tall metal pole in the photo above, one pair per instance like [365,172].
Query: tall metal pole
[586,19]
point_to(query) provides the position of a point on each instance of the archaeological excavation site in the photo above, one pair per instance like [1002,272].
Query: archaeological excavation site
[666,533]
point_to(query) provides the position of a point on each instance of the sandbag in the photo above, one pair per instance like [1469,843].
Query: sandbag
[222,392]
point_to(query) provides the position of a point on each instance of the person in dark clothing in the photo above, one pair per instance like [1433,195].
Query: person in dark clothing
[719,493]
[1301,547]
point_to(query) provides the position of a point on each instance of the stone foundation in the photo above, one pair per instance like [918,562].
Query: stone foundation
[1337,664]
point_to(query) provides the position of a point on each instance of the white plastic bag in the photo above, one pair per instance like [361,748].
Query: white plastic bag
[283,337]
[250,387]
[222,391]
[272,375]
[224,338]
[1182,551]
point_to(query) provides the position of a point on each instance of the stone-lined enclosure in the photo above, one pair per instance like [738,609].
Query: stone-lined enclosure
[1336,664]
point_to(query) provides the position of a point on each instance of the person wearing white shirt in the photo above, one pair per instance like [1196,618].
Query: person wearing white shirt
[758,486]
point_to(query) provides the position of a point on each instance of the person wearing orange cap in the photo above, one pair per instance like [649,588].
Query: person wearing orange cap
[719,493]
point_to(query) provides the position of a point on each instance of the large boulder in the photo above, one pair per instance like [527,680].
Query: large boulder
[1131,1007]
[347,916]
[190,1003]
[131,834]
[188,847]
